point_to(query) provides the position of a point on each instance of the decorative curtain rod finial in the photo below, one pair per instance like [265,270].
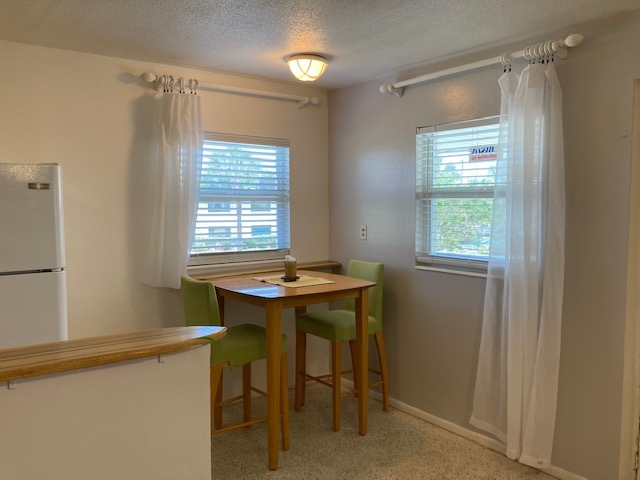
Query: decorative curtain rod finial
[573,40]
[148,77]
[560,47]
[153,79]
[389,88]
[308,100]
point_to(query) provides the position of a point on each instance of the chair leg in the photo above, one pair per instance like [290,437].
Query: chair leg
[336,367]
[284,401]
[382,358]
[215,385]
[246,391]
[353,348]
[301,360]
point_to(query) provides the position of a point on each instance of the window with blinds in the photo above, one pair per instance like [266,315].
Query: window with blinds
[243,206]
[455,178]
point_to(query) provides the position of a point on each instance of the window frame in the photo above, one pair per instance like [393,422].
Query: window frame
[425,257]
[233,203]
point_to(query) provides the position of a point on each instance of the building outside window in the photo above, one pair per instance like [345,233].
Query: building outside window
[219,232]
[218,207]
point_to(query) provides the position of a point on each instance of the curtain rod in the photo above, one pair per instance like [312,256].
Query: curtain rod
[539,50]
[159,82]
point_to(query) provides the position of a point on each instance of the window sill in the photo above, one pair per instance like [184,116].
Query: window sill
[252,268]
[453,271]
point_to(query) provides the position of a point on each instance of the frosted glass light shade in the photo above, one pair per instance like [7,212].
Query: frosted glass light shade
[307,67]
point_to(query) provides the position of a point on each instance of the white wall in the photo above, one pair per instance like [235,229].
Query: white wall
[432,321]
[97,118]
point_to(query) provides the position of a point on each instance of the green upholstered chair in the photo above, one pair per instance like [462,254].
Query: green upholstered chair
[241,345]
[338,326]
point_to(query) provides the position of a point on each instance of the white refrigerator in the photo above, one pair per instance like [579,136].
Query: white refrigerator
[33,291]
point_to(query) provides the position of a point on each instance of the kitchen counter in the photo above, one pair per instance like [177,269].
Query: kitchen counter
[48,358]
[133,405]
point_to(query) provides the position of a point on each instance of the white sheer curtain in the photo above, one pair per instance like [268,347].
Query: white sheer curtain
[517,378]
[175,176]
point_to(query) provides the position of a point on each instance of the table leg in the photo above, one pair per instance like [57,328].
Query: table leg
[301,362]
[274,334]
[362,340]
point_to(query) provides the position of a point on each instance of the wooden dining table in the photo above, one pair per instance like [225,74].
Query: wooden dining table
[274,299]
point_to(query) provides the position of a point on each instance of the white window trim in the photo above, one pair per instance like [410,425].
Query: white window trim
[453,271]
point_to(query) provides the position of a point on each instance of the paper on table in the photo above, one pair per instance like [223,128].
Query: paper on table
[303,281]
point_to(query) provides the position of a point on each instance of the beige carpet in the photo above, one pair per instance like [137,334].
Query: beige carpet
[397,446]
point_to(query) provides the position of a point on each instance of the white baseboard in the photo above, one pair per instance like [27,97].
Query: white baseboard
[479,438]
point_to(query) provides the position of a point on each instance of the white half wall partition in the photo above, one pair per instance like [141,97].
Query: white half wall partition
[145,418]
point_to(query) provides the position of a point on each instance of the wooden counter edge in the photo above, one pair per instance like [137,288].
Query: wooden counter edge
[88,360]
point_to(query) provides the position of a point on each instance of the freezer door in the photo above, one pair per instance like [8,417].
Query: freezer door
[31,217]
[33,309]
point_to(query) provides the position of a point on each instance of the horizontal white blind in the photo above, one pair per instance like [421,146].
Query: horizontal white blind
[455,177]
[243,207]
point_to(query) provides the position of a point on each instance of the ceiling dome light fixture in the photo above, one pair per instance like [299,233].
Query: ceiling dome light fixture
[307,67]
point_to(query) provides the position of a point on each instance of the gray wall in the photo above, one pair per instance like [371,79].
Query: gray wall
[433,320]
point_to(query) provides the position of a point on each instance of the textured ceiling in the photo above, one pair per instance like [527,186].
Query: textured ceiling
[363,39]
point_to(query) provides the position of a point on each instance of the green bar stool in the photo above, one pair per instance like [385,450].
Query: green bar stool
[241,345]
[338,326]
